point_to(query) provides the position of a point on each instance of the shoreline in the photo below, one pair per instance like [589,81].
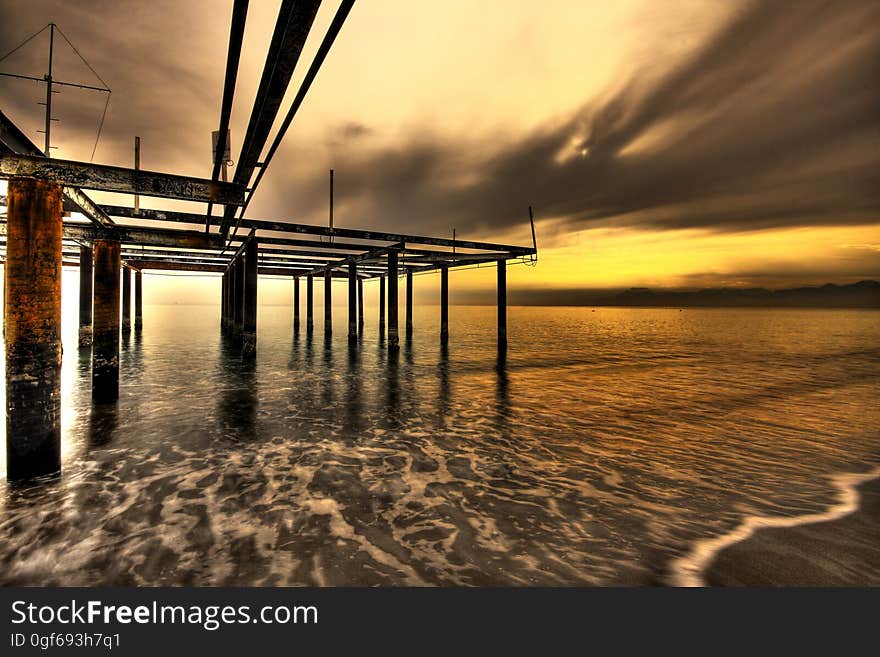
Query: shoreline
[837,547]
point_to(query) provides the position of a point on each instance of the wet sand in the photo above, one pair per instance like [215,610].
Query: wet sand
[841,552]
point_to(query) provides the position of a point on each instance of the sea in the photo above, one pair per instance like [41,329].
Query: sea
[609,446]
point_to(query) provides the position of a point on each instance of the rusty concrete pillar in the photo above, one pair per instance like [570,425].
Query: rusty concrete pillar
[85,296]
[381,306]
[502,305]
[238,296]
[105,351]
[296,304]
[409,305]
[328,304]
[361,305]
[138,300]
[393,337]
[33,328]
[310,304]
[352,301]
[126,300]
[444,305]
[249,326]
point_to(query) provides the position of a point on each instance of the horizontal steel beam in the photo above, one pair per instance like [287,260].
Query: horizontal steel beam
[212,268]
[141,236]
[107,178]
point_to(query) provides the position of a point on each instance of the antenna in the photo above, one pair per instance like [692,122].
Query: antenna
[331,200]
[137,165]
[51,82]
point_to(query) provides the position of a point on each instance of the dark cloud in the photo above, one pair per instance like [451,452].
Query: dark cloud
[774,123]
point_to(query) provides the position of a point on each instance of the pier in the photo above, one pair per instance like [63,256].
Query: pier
[51,221]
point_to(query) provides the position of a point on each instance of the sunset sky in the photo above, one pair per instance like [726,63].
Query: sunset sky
[690,143]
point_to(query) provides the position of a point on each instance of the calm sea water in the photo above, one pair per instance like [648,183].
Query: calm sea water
[608,444]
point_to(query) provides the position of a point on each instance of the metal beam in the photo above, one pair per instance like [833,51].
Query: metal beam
[141,236]
[295,18]
[120,179]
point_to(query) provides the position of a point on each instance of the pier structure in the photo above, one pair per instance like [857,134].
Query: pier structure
[51,221]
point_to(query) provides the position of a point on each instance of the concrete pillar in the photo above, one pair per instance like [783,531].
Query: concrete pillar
[126,299]
[382,306]
[352,301]
[138,300]
[85,296]
[393,338]
[238,318]
[249,326]
[502,305]
[361,305]
[409,305]
[296,304]
[33,329]
[105,351]
[310,304]
[444,305]
[328,304]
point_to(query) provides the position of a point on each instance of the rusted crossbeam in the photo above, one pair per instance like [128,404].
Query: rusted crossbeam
[107,178]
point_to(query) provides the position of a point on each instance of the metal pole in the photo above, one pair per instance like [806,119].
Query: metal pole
[137,165]
[361,305]
[393,339]
[502,305]
[328,305]
[49,89]
[138,301]
[85,296]
[238,318]
[105,350]
[444,305]
[126,300]
[310,304]
[352,301]
[249,332]
[296,304]
[381,306]
[409,305]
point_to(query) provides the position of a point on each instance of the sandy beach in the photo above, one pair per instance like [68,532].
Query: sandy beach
[841,552]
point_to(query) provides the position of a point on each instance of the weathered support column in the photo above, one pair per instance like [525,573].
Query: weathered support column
[105,351]
[352,301]
[310,304]
[249,327]
[393,338]
[126,300]
[238,297]
[33,329]
[381,306]
[85,296]
[138,300]
[502,305]
[296,304]
[444,305]
[328,305]
[409,307]
[361,305]
[223,302]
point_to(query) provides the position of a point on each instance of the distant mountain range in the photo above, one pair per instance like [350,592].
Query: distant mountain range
[864,294]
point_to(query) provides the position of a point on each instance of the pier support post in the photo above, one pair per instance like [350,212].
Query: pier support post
[502,305]
[138,300]
[224,300]
[352,301]
[409,305]
[310,305]
[238,297]
[444,306]
[296,304]
[105,351]
[85,296]
[328,305]
[126,300]
[393,337]
[33,329]
[361,305]
[381,306]
[249,326]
